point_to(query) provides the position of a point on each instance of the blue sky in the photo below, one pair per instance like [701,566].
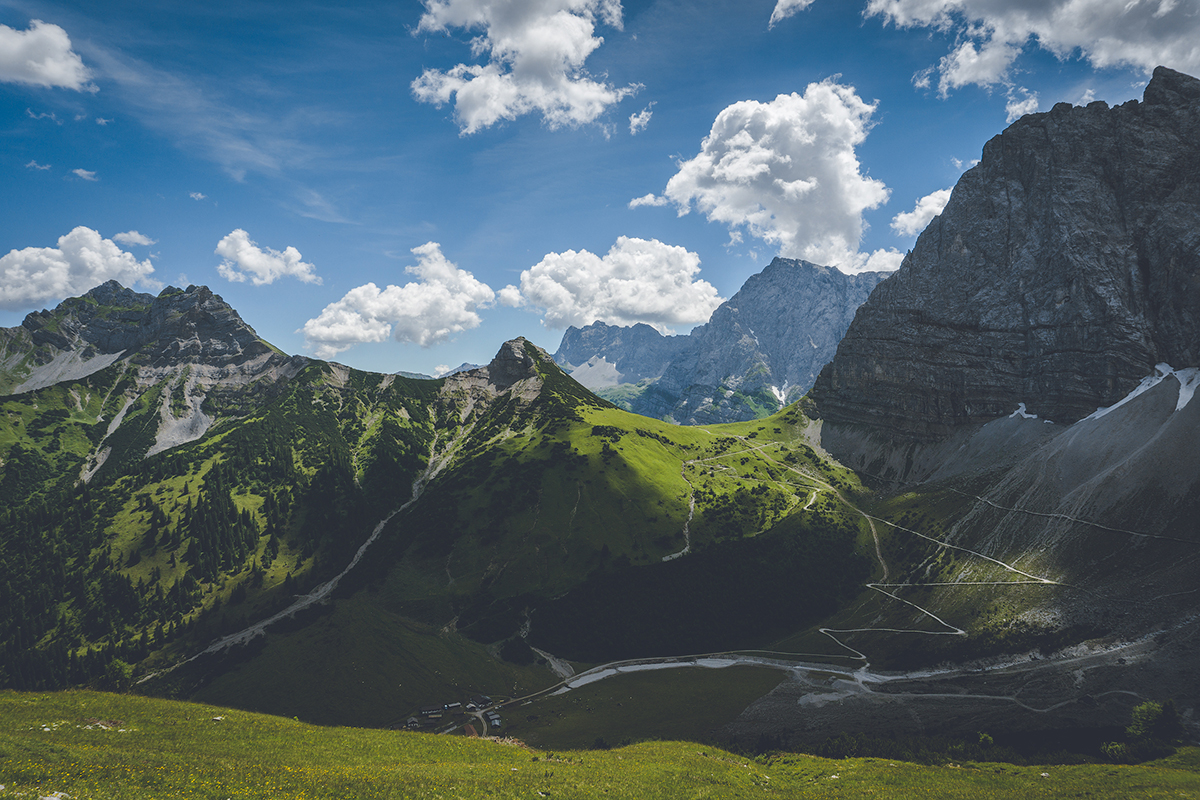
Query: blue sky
[405,185]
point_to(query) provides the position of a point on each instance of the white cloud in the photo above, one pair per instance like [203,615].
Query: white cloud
[442,303]
[41,56]
[910,223]
[535,56]
[787,172]
[787,8]
[983,66]
[102,121]
[1108,33]
[638,280]
[639,121]
[197,195]
[880,261]
[36,165]
[83,259]
[510,296]
[134,238]
[1019,106]
[649,200]
[43,115]
[86,174]
[245,259]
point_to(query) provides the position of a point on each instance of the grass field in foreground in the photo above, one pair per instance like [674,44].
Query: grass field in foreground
[101,747]
[681,703]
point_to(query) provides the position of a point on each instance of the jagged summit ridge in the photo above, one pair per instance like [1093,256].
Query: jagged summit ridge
[192,323]
[763,347]
[112,323]
[1064,267]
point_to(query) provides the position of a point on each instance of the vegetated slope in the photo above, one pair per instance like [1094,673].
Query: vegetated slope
[761,349]
[126,547]
[148,549]
[86,744]
[547,490]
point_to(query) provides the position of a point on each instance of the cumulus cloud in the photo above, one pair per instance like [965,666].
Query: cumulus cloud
[910,223]
[244,259]
[197,195]
[535,55]
[86,174]
[888,260]
[786,8]
[442,303]
[639,121]
[41,56]
[36,165]
[649,200]
[992,33]
[83,259]
[1021,101]
[639,280]
[134,238]
[510,296]
[787,172]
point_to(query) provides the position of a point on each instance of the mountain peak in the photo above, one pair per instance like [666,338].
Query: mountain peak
[111,322]
[1062,270]
[515,361]
[1168,87]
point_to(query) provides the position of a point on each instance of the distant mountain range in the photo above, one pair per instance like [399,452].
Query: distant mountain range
[761,349]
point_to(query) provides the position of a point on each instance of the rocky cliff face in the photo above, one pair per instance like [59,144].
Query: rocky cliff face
[110,323]
[1065,266]
[762,348]
[601,355]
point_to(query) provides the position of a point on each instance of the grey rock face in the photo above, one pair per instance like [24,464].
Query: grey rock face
[191,324]
[762,348]
[637,352]
[1066,264]
[83,334]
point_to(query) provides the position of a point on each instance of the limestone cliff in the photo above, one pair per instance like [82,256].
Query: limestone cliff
[1065,266]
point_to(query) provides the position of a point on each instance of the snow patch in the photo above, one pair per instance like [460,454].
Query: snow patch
[779,394]
[1189,379]
[1020,412]
[597,373]
[1161,371]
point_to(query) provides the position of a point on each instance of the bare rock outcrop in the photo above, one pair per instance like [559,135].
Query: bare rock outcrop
[1065,266]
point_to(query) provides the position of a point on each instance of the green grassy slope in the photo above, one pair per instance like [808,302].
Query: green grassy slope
[99,746]
[549,506]
[156,554]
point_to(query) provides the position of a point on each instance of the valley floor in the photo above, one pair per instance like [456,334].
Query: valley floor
[91,745]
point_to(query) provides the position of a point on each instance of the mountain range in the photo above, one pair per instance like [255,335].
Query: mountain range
[760,350]
[982,516]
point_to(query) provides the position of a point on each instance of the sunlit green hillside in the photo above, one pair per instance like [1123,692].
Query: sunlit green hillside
[99,746]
